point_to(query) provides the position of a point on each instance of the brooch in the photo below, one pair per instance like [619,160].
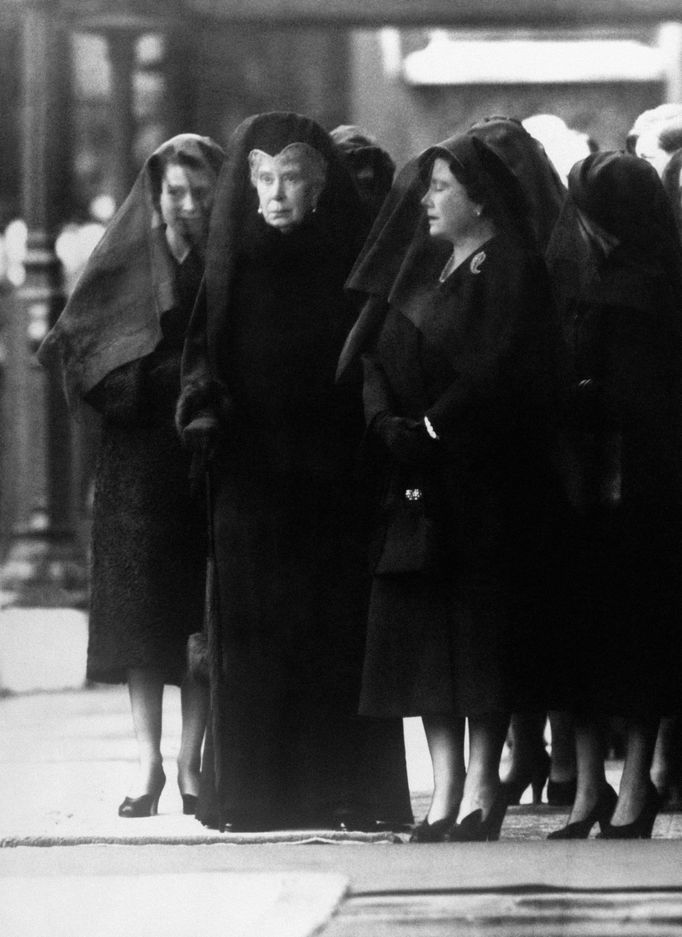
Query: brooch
[413,494]
[477,262]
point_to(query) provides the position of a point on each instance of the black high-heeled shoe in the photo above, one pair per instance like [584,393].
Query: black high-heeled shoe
[474,829]
[189,804]
[534,776]
[600,813]
[561,793]
[145,806]
[436,832]
[642,825]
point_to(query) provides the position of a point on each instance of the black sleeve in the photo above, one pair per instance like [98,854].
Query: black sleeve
[201,392]
[639,400]
[376,392]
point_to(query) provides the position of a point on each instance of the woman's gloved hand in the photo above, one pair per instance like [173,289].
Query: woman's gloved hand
[201,434]
[407,440]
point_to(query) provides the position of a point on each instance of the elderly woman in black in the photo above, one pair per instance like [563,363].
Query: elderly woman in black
[623,326]
[119,344]
[456,392]
[287,747]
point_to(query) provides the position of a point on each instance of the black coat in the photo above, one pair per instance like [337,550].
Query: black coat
[286,746]
[148,535]
[478,363]
[118,345]
[624,434]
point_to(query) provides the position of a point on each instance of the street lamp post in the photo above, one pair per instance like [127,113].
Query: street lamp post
[45,562]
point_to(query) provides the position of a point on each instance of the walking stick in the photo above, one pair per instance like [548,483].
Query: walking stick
[204,648]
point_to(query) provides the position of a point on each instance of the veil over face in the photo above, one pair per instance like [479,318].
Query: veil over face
[338,224]
[371,165]
[623,195]
[399,253]
[113,315]
[400,261]
[526,157]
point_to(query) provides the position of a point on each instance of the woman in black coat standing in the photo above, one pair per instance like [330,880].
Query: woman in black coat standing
[529,763]
[622,321]
[456,397]
[287,748]
[119,344]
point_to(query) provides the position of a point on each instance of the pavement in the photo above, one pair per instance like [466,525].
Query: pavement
[70,866]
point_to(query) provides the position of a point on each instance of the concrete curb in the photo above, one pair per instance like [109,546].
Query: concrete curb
[286,838]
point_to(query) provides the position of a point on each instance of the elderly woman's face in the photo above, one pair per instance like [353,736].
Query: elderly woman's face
[186,200]
[286,191]
[451,213]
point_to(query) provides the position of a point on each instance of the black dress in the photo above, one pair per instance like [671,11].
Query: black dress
[624,435]
[466,637]
[148,535]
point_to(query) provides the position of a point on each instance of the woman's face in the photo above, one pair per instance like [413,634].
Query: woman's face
[286,192]
[451,213]
[186,200]
[647,147]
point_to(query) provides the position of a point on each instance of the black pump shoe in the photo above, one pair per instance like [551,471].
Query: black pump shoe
[145,806]
[474,829]
[600,813]
[641,827]
[189,804]
[436,832]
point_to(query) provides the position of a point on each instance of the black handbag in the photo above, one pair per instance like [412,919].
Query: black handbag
[411,537]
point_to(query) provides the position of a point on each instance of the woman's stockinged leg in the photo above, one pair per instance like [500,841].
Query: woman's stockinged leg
[145,688]
[445,738]
[528,758]
[591,776]
[635,785]
[194,705]
[487,734]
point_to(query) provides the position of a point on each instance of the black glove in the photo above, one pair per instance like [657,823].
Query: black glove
[201,433]
[407,440]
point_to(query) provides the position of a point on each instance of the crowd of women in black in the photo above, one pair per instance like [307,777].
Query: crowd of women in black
[425,435]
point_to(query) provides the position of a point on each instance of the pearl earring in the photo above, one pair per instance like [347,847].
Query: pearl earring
[260,210]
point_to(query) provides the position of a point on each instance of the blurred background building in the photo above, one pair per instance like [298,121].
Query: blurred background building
[88,88]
